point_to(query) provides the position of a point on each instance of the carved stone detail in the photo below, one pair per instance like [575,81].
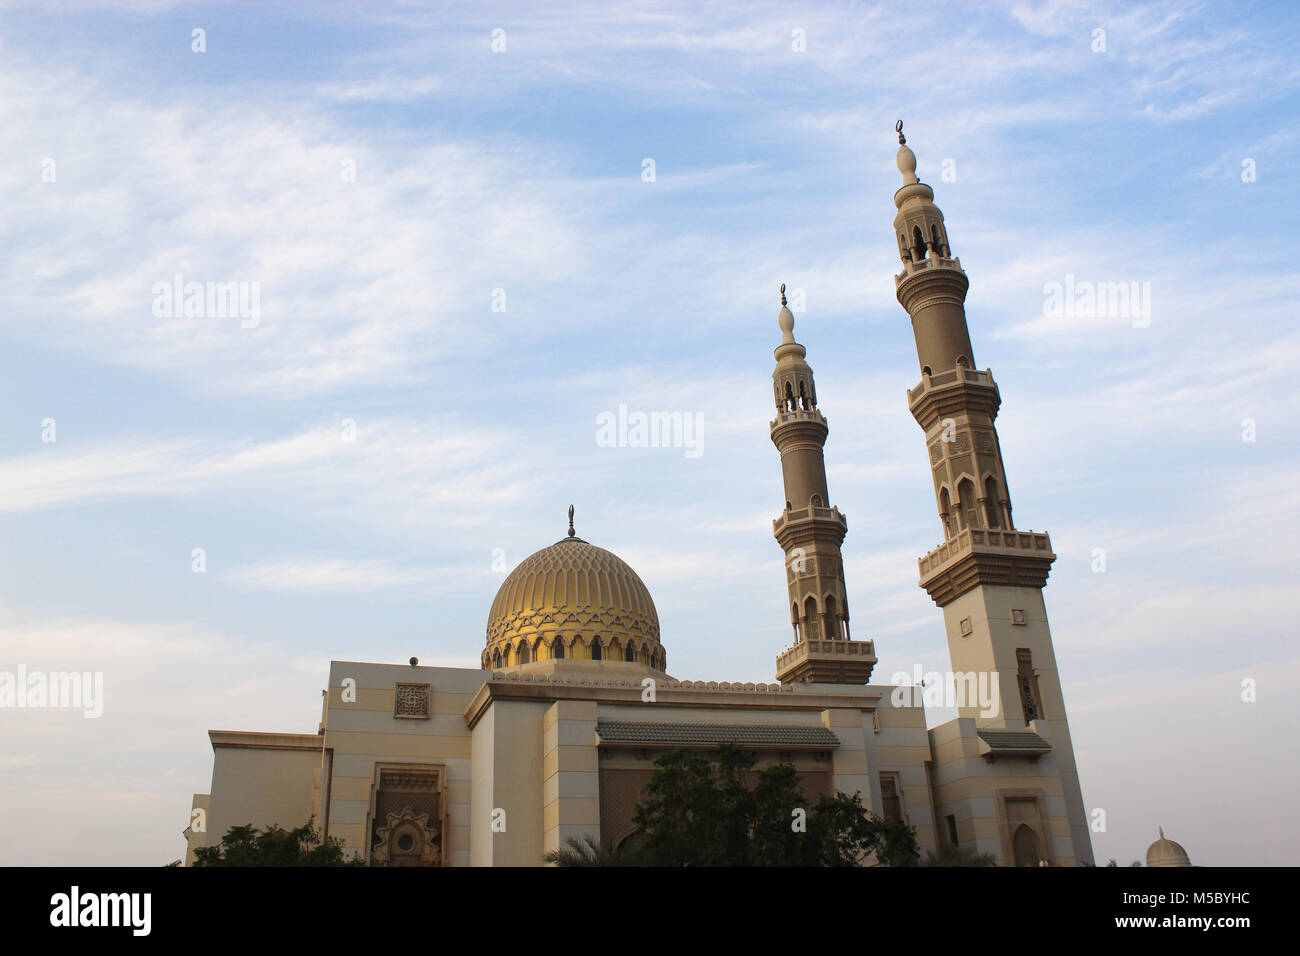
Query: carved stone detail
[411,700]
[407,839]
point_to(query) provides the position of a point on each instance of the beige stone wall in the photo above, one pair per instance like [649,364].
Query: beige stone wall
[975,791]
[507,771]
[570,774]
[262,779]
[991,646]
[363,734]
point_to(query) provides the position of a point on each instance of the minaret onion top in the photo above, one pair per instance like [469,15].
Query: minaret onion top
[789,351]
[912,187]
[906,158]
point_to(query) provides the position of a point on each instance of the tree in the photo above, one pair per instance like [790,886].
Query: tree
[954,855]
[275,846]
[699,809]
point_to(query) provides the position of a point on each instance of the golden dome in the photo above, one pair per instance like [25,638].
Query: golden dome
[573,601]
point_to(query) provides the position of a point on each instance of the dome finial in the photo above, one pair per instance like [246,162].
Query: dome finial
[1162,832]
[898,128]
[785,319]
[571,531]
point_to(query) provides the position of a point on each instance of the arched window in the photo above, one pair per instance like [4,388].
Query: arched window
[557,649]
[810,617]
[803,396]
[945,512]
[789,398]
[963,361]
[817,501]
[925,370]
[992,508]
[523,654]
[597,653]
[629,653]
[496,658]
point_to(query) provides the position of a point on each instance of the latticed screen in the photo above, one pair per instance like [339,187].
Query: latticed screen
[420,790]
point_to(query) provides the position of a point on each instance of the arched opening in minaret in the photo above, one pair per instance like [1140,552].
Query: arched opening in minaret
[925,370]
[919,247]
[963,361]
[794,622]
[936,243]
[992,509]
[810,617]
[967,516]
[803,397]
[597,652]
[831,626]
[945,512]
[816,501]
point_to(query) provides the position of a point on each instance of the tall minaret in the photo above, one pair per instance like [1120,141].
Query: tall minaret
[810,531]
[987,576]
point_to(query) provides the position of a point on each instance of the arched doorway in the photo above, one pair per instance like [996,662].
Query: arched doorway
[1024,846]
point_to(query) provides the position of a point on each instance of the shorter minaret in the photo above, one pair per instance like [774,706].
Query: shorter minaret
[810,531]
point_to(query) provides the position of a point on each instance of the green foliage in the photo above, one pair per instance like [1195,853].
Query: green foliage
[274,846]
[699,809]
[951,855]
[587,852]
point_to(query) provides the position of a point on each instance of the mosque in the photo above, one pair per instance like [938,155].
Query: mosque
[556,734]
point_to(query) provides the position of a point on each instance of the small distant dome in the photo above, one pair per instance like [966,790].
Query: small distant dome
[1166,853]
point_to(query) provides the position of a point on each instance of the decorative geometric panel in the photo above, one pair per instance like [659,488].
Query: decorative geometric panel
[411,700]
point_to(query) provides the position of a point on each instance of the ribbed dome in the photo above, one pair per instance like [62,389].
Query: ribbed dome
[1167,853]
[575,601]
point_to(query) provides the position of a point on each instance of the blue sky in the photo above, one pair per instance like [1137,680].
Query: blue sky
[521,171]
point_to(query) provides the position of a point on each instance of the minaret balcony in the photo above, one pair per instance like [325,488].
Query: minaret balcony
[805,416]
[912,267]
[986,556]
[815,661]
[951,377]
[948,393]
[809,520]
